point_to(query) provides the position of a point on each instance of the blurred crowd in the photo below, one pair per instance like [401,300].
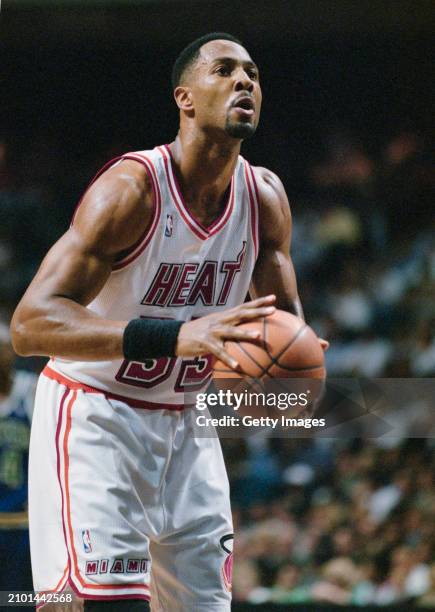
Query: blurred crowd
[337,522]
[364,251]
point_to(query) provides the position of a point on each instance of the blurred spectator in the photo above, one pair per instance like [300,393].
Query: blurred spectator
[428,599]
[346,162]
[338,579]
[17,390]
[246,580]
[384,499]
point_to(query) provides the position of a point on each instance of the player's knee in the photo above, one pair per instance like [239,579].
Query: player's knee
[116,605]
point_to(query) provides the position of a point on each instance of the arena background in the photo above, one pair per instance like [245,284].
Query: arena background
[347,123]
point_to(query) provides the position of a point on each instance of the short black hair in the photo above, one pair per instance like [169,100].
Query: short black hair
[191,53]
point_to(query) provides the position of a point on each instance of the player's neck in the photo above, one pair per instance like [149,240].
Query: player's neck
[204,167]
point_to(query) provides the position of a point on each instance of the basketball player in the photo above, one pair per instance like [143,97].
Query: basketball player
[131,304]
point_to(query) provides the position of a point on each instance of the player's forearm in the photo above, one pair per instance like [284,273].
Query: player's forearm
[295,307]
[274,273]
[288,301]
[284,300]
[63,328]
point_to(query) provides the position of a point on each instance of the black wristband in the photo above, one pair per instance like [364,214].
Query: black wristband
[150,338]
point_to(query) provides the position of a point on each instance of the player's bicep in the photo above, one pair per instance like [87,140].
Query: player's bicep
[274,271]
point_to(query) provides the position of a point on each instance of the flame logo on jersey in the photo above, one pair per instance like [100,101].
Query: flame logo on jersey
[226,543]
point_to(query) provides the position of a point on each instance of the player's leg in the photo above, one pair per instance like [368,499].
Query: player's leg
[88,527]
[47,544]
[192,562]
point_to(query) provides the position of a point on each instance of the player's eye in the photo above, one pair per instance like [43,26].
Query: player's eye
[253,75]
[223,70]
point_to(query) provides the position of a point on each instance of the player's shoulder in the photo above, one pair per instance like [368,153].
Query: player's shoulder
[274,208]
[129,181]
[127,176]
[118,206]
[271,190]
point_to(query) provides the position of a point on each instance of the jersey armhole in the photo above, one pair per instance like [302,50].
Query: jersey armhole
[134,251]
[138,247]
[110,164]
[254,205]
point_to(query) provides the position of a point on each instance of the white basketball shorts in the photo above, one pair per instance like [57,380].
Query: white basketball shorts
[126,502]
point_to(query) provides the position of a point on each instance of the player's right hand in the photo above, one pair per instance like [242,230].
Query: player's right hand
[208,334]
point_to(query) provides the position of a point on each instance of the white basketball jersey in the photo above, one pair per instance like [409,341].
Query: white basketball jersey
[178,270]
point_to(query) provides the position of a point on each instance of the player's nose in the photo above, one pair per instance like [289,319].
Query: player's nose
[243,82]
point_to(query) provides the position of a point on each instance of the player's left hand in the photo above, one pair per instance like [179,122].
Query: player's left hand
[324,344]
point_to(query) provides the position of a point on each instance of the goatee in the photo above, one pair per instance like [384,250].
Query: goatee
[239,129]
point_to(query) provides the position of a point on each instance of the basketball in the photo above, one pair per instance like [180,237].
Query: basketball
[289,348]
[287,361]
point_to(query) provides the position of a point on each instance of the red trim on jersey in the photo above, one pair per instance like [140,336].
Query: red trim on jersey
[99,173]
[227,212]
[57,589]
[143,242]
[254,209]
[74,385]
[254,180]
[110,597]
[59,585]
[58,470]
[257,207]
[100,597]
[139,246]
[64,579]
[194,224]
[190,221]
[67,507]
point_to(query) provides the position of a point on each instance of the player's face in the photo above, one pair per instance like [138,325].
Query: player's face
[226,89]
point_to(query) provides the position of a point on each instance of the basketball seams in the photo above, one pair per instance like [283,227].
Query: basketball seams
[300,331]
[265,338]
[273,360]
[310,368]
[265,372]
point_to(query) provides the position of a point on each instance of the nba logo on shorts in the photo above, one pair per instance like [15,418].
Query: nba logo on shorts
[86,537]
[169,226]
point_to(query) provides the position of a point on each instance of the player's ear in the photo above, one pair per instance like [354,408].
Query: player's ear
[183,98]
